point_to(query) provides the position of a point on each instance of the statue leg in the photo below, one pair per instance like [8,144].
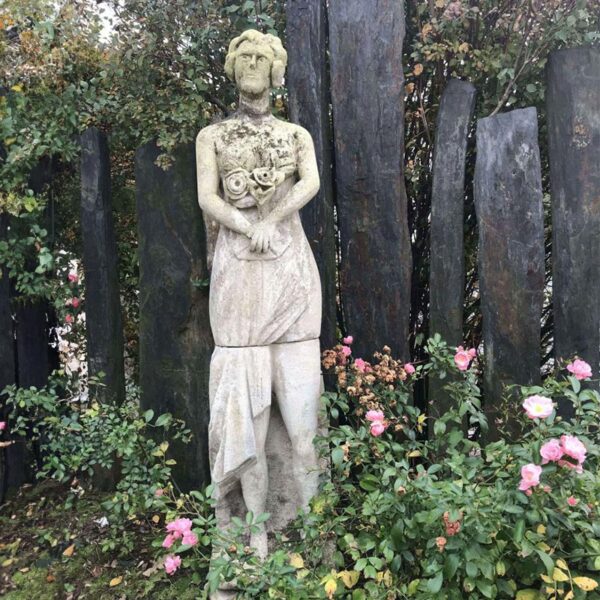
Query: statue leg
[255,483]
[297,387]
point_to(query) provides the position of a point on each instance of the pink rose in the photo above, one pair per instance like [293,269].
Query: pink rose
[74,302]
[375,415]
[172,563]
[377,428]
[580,369]
[73,277]
[569,465]
[348,339]
[2,425]
[538,407]
[409,368]
[530,476]
[189,539]
[69,318]
[360,365]
[572,447]
[551,451]
[463,358]
[168,541]
[159,492]
[346,351]
[572,501]
[179,527]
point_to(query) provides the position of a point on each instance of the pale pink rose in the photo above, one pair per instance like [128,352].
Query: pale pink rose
[179,527]
[462,358]
[472,352]
[348,340]
[360,365]
[569,465]
[168,541]
[346,351]
[530,476]
[374,415]
[580,369]
[2,425]
[73,277]
[572,501]
[538,407]
[74,302]
[159,492]
[172,563]
[529,492]
[189,539]
[377,428]
[551,451]
[547,489]
[69,318]
[409,368]
[572,447]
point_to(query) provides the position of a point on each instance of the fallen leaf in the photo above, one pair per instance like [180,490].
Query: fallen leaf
[115,581]
[69,551]
[155,519]
[296,561]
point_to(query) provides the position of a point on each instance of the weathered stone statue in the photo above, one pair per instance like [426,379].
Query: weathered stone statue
[254,174]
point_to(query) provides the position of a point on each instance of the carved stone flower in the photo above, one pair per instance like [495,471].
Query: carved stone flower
[266,177]
[236,183]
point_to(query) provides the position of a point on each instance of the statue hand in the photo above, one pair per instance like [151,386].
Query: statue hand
[261,236]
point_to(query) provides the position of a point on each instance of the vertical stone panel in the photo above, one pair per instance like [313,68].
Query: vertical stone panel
[308,86]
[175,338]
[573,108]
[447,266]
[508,203]
[367,91]
[10,455]
[104,328]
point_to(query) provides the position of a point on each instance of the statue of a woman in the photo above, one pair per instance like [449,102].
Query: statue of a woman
[254,174]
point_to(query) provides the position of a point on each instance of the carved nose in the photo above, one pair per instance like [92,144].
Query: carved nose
[253,61]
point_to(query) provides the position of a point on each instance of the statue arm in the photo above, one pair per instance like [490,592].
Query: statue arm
[207,172]
[308,182]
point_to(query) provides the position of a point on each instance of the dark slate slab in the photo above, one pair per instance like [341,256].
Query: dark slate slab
[104,327]
[508,203]
[447,262]
[308,86]
[10,455]
[175,338]
[573,108]
[367,90]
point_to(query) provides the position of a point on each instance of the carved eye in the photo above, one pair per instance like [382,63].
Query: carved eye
[262,59]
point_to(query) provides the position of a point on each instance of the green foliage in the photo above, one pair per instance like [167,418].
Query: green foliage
[79,438]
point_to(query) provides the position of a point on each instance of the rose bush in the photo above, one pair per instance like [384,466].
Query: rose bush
[411,515]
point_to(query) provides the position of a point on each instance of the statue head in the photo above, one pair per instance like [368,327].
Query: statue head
[256,62]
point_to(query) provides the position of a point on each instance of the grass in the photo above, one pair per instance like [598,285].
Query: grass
[51,551]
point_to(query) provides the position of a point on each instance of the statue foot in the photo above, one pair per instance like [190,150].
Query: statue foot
[223,595]
[259,542]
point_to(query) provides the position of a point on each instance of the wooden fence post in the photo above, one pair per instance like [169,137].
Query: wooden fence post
[306,34]
[573,107]
[508,202]
[447,260]
[104,328]
[175,337]
[367,91]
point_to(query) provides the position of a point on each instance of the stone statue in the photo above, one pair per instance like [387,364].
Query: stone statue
[254,174]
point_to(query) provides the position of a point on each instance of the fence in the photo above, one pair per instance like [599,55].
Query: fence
[360,233]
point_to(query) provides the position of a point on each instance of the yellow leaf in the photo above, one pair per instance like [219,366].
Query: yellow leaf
[585,583]
[541,529]
[528,594]
[8,562]
[561,564]
[350,578]
[385,577]
[9,141]
[115,581]
[418,69]
[543,546]
[547,579]
[69,551]
[440,3]
[569,595]
[17,88]
[330,584]
[296,561]
[302,573]
[464,47]
[558,575]
[155,519]
[414,454]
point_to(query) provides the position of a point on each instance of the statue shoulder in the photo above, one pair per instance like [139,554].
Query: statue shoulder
[207,134]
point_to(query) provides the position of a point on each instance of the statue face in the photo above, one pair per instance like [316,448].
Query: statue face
[253,67]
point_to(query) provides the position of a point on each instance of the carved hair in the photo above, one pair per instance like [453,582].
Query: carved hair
[273,42]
